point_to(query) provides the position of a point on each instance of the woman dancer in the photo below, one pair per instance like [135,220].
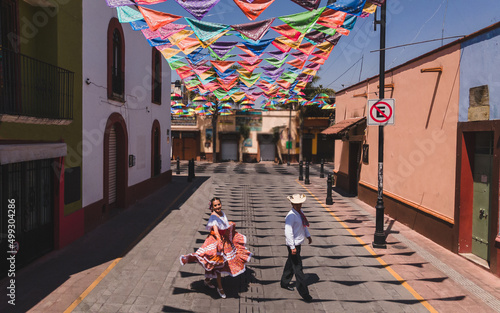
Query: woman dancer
[223,252]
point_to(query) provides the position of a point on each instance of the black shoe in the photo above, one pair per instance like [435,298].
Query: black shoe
[308,298]
[288,287]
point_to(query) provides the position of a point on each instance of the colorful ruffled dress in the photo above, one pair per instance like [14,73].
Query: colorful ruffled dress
[228,257]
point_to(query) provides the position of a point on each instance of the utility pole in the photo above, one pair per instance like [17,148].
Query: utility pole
[289,142]
[379,237]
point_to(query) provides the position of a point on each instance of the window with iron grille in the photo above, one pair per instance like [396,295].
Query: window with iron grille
[116,61]
[156,79]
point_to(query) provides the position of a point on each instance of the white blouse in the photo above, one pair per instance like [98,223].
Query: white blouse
[220,221]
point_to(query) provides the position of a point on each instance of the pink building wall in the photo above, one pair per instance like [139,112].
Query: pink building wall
[420,148]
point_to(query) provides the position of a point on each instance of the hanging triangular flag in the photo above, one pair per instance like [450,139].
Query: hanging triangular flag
[127,14]
[251,59]
[238,96]
[332,18]
[316,37]
[254,30]
[317,60]
[278,54]
[308,4]
[209,42]
[222,66]
[177,64]
[306,48]
[247,51]
[258,49]
[180,36]
[250,81]
[313,66]
[187,44]
[170,29]
[249,67]
[254,9]
[169,52]
[303,21]
[119,3]
[322,54]
[155,42]
[276,62]
[197,8]
[157,19]
[324,29]
[287,31]
[206,30]
[297,63]
[139,25]
[353,7]
[221,48]
[244,72]
[149,34]
[325,46]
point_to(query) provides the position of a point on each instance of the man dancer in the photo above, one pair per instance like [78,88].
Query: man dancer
[295,232]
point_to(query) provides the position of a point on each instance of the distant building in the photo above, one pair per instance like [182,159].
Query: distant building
[441,160]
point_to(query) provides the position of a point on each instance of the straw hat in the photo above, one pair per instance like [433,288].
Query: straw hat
[297,198]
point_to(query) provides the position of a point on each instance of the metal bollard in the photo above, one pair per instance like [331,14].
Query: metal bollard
[307,182]
[190,178]
[301,170]
[329,183]
[178,166]
[192,170]
[322,172]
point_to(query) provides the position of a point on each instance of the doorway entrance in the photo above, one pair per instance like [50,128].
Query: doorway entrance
[354,159]
[482,177]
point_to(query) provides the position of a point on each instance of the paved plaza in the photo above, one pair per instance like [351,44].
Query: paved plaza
[131,263]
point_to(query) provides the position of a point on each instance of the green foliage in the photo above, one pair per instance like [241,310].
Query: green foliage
[244,130]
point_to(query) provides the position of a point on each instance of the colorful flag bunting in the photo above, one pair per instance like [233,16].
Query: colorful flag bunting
[353,7]
[127,14]
[157,19]
[254,30]
[254,9]
[308,4]
[197,8]
[302,21]
[287,31]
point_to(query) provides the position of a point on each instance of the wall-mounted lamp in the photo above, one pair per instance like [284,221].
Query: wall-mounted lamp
[131,160]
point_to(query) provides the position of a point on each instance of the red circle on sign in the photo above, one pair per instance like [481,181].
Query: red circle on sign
[387,117]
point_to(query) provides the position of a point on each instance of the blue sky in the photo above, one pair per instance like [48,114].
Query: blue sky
[408,21]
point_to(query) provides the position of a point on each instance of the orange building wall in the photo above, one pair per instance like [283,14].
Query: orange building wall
[420,149]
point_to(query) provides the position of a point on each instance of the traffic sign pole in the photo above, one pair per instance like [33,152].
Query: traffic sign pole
[379,237]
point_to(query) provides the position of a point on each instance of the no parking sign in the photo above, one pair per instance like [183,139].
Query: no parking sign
[380,112]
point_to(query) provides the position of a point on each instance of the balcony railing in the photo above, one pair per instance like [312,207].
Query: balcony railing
[29,87]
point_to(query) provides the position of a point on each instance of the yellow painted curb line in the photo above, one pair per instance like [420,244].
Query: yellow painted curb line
[110,267]
[379,259]
[91,287]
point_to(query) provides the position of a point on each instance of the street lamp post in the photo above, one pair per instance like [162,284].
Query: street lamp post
[289,142]
[379,237]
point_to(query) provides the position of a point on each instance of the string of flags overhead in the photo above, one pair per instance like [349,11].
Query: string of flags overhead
[277,68]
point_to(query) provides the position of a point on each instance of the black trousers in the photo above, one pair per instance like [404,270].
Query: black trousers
[294,266]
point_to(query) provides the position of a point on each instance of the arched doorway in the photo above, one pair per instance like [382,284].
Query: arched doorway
[115,163]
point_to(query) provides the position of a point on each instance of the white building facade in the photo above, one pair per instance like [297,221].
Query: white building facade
[126,114]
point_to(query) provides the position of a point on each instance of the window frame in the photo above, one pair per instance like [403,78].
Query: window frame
[156,76]
[115,27]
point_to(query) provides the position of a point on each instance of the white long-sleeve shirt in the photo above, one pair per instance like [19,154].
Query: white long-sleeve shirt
[295,232]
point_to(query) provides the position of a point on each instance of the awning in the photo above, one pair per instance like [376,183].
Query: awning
[342,125]
[30,152]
